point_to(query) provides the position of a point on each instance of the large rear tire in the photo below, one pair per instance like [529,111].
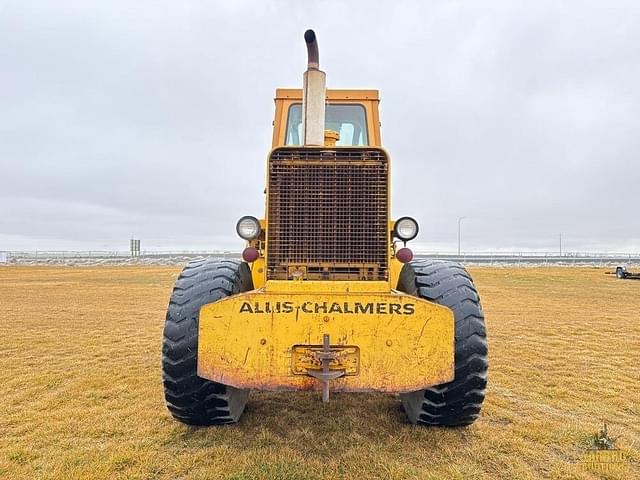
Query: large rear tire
[189,398]
[456,403]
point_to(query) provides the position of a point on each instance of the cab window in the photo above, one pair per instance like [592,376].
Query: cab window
[349,120]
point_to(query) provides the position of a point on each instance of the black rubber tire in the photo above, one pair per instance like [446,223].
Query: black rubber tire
[189,398]
[456,403]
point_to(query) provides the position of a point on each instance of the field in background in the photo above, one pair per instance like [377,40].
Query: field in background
[82,397]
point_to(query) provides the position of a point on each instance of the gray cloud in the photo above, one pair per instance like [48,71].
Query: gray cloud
[154,118]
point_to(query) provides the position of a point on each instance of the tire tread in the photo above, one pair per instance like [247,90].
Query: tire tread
[191,399]
[456,403]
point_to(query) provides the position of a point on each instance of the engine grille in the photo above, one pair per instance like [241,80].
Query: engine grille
[328,214]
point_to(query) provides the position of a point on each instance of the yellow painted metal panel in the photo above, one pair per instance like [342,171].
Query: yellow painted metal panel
[395,267]
[258,272]
[405,343]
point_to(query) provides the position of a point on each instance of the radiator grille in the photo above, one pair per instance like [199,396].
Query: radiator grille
[327,214]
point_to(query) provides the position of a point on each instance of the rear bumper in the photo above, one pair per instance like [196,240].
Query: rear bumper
[394,342]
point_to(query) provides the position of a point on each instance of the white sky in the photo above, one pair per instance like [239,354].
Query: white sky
[153,119]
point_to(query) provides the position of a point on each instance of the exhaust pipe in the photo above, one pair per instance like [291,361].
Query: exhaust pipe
[313,94]
[313,57]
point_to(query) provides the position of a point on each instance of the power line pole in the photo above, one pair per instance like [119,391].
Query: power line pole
[560,243]
[459,221]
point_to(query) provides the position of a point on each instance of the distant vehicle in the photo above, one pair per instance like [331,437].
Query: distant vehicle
[622,273]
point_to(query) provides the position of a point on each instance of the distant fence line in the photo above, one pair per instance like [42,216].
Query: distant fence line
[525,258]
[578,258]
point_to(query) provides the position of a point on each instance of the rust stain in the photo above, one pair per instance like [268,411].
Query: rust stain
[422,330]
[246,355]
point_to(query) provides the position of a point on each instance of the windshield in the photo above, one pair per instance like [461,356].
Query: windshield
[348,120]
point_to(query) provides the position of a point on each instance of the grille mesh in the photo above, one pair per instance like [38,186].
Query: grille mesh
[328,214]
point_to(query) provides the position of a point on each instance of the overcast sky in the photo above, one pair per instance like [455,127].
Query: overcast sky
[153,119]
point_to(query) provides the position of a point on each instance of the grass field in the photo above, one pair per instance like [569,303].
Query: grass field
[82,396]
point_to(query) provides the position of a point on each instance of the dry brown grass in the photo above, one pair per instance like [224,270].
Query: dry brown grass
[82,397]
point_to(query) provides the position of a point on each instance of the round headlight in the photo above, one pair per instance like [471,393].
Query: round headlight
[406,228]
[248,228]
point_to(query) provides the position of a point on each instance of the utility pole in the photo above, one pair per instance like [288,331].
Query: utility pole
[459,221]
[560,243]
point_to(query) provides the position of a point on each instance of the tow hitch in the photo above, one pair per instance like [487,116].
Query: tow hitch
[326,362]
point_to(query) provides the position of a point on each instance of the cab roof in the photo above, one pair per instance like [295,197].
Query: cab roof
[332,94]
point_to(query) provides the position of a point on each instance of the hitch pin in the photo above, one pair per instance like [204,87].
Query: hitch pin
[325,367]
[325,356]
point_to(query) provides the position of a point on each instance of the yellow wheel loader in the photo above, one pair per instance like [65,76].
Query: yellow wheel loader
[326,296]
